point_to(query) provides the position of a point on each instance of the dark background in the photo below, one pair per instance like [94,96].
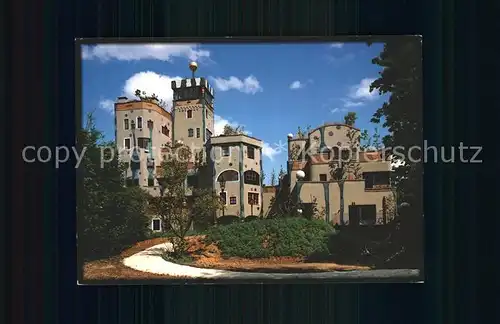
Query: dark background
[39,100]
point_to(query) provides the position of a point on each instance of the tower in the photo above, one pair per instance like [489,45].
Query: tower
[193,111]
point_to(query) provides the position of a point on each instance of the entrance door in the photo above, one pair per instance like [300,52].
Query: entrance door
[362,215]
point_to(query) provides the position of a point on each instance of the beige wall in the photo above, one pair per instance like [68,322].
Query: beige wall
[148,111]
[354,192]
[232,162]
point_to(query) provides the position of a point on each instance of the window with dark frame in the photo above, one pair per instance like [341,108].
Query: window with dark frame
[253,198]
[189,114]
[127,143]
[190,132]
[251,152]
[226,151]
[223,197]
[322,177]
[228,175]
[139,122]
[143,142]
[232,200]
[252,177]
[125,124]
[376,179]
[156,224]
[198,133]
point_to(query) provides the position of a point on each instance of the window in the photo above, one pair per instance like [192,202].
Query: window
[165,131]
[192,180]
[253,198]
[190,132]
[126,143]
[189,114]
[362,215]
[125,124]
[375,180]
[232,200]
[198,133]
[251,152]
[228,175]
[252,177]
[151,182]
[156,224]
[139,122]
[322,177]
[326,153]
[223,197]
[226,151]
[143,142]
[206,113]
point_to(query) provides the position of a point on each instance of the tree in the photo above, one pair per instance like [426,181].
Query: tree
[350,118]
[401,77]
[233,130]
[346,165]
[302,133]
[282,173]
[110,216]
[273,178]
[143,96]
[172,206]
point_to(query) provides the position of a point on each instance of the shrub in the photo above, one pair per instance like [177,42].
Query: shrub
[271,238]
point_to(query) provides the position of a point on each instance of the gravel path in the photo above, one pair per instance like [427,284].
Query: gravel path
[150,260]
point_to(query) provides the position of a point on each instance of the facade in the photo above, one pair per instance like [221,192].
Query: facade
[237,170]
[144,128]
[367,190]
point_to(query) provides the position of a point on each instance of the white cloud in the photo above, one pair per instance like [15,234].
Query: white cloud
[269,152]
[336,110]
[220,122]
[107,105]
[151,83]
[249,85]
[361,91]
[296,85]
[337,45]
[135,52]
[349,103]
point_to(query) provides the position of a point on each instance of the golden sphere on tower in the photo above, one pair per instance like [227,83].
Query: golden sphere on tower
[193,66]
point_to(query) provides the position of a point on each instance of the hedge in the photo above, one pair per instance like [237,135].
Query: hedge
[271,238]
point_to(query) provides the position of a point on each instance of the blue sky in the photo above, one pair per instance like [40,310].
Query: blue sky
[287,85]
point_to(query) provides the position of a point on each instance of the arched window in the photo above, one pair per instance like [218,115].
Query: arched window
[228,175]
[252,177]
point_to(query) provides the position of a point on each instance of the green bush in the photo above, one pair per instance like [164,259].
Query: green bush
[271,237]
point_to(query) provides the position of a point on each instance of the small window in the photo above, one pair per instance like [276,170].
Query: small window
[165,131]
[223,197]
[139,122]
[251,152]
[190,132]
[127,143]
[156,224]
[192,180]
[232,200]
[189,114]
[198,133]
[253,198]
[125,124]
[251,177]
[226,151]
[322,177]
[143,142]
[206,113]
[151,182]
